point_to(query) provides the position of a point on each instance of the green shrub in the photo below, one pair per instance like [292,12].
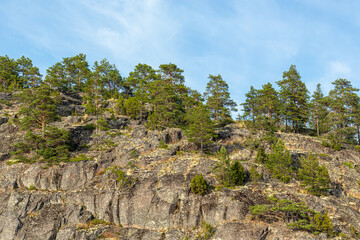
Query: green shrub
[102,124]
[207,231]
[163,145]
[97,221]
[122,180]
[32,187]
[80,158]
[90,127]
[52,146]
[261,156]
[357,148]
[300,216]
[279,162]
[348,164]
[254,175]
[325,143]
[314,177]
[199,185]
[229,174]
[237,173]
[134,154]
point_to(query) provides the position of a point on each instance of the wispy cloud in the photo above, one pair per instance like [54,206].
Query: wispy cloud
[247,42]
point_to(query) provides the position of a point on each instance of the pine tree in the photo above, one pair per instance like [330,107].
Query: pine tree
[343,99]
[251,104]
[138,85]
[294,99]
[76,71]
[39,107]
[8,73]
[200,129]
[56,78]
[218,98]
[168,109]
[109,79]
[319,111]
[29,75]
[279,162]
[313,175]
[139,80]
[269,101]
[171,74]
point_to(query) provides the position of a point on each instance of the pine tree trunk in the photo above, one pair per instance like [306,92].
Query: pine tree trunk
[317,127]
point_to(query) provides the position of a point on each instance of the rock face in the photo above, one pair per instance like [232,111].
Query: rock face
[84,200]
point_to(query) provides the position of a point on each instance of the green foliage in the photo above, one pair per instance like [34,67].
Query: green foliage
[218,98]
[89,127]
[207,231]
[348,164]
[199,185]
[314,176]
[32,187]
[134,154]
[131,107]
[97,221]
[80,158]
[319,115]
[300,216]
[279,162]
[102,124]
[254,175]
[229,174]
[122,180]
[38,107]
[357,148]
[294,98]
[163,145]
[52,146]
[354,232]
[261,156]
[200,128]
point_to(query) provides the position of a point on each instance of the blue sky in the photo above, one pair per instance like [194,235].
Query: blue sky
[248,42]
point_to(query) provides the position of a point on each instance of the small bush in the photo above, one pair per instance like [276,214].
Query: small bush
[261,156]
[207,231]
[297,213]
[163,145]
[102,124]
[357,148]
[134,154]
[90,127]
[314,176]
[80,158]
[254,175]
[199,185]
[229,174]
[122,180]
[348,164]
[32,187]
[279,162]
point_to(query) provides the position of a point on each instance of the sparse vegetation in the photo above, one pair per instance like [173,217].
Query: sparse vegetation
[122,180]
[207,231]
[296,214]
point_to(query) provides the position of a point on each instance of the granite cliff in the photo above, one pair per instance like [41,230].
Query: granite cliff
[84,199]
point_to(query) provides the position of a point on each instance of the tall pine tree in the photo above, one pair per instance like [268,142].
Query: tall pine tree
[218,99]
[294,99]
[319,112]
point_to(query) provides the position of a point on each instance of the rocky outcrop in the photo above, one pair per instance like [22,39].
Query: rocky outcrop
[84,200]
